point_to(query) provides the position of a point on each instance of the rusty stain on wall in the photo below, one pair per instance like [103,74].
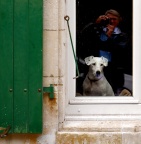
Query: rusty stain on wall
[20,139]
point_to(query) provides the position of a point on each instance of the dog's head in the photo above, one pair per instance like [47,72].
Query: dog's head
[96,65]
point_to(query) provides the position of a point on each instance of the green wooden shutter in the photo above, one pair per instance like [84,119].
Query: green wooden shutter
[21,65]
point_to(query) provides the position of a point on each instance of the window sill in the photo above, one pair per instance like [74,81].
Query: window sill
[101,126]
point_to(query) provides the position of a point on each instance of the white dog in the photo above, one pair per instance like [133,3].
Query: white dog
[95,83]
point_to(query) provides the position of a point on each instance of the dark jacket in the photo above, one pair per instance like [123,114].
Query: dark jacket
[90,43]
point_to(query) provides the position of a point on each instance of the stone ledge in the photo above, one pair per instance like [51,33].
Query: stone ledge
[98,138]
[100,126]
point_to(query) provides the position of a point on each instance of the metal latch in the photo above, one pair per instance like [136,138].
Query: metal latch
[5,131]
[49,90]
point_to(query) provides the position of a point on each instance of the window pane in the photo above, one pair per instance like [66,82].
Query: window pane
[104,31]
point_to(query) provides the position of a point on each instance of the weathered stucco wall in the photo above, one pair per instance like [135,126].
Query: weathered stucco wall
[54,62]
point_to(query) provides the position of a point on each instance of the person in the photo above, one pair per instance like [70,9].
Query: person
[105,38]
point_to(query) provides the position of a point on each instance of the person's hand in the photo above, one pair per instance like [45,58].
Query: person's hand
[125,92]
[100,18]
[110,29]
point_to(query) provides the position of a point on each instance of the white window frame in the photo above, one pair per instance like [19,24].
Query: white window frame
[94,108]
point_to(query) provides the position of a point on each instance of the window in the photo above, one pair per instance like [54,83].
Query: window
[84,107]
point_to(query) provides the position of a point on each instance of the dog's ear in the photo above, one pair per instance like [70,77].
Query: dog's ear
[105,61]
[89,60]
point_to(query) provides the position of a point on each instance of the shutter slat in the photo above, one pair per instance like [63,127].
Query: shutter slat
[35,71]
[21,66]
[6,63]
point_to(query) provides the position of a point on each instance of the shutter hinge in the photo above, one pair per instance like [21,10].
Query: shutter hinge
[49,90]
[5,131]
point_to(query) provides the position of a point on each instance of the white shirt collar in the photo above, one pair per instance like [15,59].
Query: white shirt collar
[116,30]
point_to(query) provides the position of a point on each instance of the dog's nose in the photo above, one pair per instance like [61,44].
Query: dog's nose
[98,72]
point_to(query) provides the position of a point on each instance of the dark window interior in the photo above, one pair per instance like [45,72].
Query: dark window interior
[88,11]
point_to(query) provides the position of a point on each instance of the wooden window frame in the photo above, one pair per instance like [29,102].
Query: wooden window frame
[92,108]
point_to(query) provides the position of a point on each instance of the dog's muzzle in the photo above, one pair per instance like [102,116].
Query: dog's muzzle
[97,73]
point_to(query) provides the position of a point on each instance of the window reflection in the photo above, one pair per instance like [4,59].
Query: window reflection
[104,34]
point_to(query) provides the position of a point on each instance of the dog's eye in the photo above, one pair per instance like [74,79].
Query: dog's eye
[94,63]
[101,65]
